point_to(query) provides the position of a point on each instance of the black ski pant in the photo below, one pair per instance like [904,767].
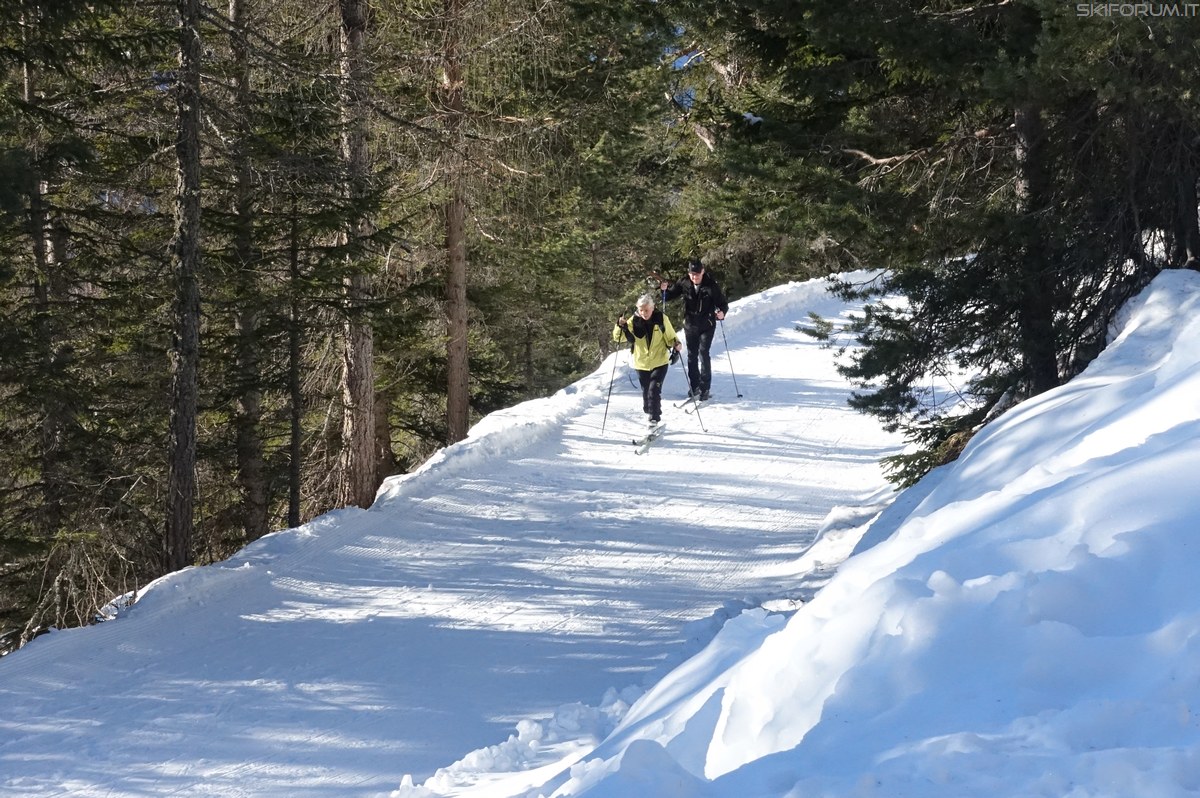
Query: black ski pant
[652,383]
[699,341]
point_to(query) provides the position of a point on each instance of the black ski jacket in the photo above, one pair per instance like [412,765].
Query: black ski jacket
[700,302]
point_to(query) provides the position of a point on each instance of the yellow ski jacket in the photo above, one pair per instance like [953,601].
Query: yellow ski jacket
[652,340]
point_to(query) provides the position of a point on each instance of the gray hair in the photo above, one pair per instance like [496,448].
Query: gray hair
[645,299]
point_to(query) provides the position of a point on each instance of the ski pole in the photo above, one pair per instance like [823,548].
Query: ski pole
[611,380]
[694,394]
[657,279]
[726,340]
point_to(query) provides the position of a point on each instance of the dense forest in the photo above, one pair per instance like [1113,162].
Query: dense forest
[255,257]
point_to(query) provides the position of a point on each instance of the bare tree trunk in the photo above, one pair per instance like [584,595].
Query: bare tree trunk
[1035,281]
[295,394]
[385,459]
[53,421]
[359,479]
[1187,231]
[457,368]
[605,339]
[527,354]
[458,399]
[184,355]
[248,407]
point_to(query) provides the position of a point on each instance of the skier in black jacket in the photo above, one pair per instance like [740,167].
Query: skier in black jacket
[703,306]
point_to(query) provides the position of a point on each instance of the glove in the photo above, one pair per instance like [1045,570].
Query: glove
[674,356]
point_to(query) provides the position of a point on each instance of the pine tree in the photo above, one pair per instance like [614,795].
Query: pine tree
[246,260]
[359,479]
[185,351]
[71,508]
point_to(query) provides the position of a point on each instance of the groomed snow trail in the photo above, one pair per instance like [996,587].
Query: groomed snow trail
[540,563]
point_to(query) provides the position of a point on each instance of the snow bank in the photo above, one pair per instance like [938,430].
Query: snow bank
[1027,624]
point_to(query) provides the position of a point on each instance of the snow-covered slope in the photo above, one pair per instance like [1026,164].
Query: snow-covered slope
[539,612]
[1027,625]
[529,583]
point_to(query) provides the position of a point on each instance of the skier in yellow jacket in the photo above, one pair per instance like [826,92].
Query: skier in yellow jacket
[654,348]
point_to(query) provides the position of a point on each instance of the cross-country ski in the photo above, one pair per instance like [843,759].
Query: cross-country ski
[643,444]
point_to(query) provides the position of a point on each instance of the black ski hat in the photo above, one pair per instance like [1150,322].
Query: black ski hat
[695,266]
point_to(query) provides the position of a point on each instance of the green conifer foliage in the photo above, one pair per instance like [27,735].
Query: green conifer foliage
[1018,170]
[77,236]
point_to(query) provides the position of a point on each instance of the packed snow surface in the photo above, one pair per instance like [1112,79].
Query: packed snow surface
[744,611]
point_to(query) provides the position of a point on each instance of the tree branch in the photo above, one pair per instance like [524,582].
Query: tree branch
[965,12]
[890,162]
